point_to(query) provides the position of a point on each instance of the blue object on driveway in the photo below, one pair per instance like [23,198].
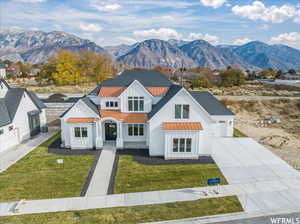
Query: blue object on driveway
[214,181]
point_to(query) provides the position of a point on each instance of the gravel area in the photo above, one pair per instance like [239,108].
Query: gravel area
[142,156]
[55,148]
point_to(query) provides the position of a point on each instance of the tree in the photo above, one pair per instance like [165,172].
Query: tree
[201,82]
[67,69]
[232,77]
[292,71]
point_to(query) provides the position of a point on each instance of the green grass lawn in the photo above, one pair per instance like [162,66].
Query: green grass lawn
[135,177]
[136,214]
[239,134]
[39,176]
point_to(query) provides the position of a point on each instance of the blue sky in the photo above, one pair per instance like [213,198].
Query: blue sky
[111,22]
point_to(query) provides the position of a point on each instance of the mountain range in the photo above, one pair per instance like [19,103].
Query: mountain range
[37,46]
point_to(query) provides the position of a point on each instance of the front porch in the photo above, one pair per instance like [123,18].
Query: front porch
[122,135]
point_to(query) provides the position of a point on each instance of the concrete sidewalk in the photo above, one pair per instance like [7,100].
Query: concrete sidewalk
[249,192]
[101,177]
[14,154]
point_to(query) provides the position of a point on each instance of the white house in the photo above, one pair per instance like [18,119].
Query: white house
[2,71]
[22,115]
[143,109]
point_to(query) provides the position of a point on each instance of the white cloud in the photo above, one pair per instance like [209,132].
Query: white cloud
[291,39]
[90,27]
[207,37]
[264,27]
[161,33]
[30,1]
[127,40]
[213,3]
[258,11]
[242,41]
[104,6]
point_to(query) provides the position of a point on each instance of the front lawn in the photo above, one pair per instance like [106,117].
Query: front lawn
[136,214]
[133,176]
[39,176]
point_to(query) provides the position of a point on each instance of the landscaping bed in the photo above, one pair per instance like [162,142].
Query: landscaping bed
[134,175]
[136,214]
[39,176]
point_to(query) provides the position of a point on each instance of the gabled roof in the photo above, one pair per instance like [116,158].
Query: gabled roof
[211,104]
[13,99]
[172,92]
[88,102]
[4,118]
[36,100]
[149,78]
[2,81]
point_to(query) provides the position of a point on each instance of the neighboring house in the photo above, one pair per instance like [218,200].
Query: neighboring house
[143,109]
[22,115]
[2,70]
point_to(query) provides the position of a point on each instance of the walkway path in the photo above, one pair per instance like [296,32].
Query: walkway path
[14,154]
[101,178]
[245,191]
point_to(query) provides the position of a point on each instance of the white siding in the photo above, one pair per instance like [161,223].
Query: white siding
[167,114]
[108,99]
[82,143]
[8,138]
[128,138]
[136,89]
[79,110]
[170,135]
[224,126]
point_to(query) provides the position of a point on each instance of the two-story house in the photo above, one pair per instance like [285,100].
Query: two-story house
[22,114]
[143,109]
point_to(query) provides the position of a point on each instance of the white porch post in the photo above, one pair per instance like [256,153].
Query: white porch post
[120,143]
[99,139]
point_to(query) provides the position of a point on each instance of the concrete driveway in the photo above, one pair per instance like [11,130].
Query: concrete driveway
[268,183]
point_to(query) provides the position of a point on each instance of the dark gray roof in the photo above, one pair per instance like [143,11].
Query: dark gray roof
[172,92]
[2,81]
[87,101]
[12,99]
[36,100]
[4,118]
[95,91]
[213,106]
[10,104]
[90,104]
[149,78]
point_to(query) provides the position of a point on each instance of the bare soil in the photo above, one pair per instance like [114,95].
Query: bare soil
[282,138]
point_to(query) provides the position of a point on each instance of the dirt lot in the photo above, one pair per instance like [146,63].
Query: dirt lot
[257,89]
[283,137]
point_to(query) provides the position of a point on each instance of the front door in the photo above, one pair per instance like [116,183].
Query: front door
[34,123]
[110,131]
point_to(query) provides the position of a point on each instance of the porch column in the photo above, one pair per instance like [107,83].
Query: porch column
[120,143]
[99,139]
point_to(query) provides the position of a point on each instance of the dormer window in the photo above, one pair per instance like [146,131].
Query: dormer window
[182,111]
[136,103]
[111,104]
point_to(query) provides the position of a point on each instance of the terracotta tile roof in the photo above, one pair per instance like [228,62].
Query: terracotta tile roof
[111,91]
[81,120]
[125,117]
[158,91]
[182,126]
[117,91]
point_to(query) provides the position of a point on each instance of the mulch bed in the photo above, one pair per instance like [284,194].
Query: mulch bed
[142,156]
[55,148]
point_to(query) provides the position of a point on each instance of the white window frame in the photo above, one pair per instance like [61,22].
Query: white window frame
[140,100]
[182,110]
[82,130]
[139,128]
[112,104]
[178,145]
